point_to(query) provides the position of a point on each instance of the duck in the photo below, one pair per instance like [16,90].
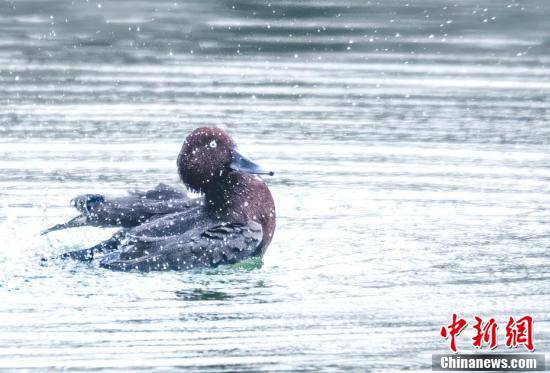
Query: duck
[165,228]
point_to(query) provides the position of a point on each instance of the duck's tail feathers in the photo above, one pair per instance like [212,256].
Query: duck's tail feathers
[87,255]
[79,221]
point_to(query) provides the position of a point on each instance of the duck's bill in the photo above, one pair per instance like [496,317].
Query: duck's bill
[241,163]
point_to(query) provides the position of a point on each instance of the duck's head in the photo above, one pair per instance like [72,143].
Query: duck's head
[208,155]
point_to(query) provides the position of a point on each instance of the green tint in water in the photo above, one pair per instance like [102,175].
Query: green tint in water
[246,265]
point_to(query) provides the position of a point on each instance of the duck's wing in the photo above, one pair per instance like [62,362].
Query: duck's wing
[87,255]
[127,211]
[174,224]
[160,192]
[210,246]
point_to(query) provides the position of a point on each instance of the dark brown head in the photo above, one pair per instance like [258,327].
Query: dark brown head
[207,156]
[210,163]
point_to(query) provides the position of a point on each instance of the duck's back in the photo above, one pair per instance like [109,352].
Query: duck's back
[185,240]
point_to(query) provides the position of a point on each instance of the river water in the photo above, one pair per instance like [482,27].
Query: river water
[410,141]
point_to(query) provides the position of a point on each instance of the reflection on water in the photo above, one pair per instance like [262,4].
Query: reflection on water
[410,144]
[201,294]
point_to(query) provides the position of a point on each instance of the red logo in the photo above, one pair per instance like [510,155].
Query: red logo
[453,330]
[518,332]
[485,333]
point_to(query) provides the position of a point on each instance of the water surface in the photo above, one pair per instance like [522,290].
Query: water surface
[410,142]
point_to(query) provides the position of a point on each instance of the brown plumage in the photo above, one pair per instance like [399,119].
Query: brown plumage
[204,164]
[232,221]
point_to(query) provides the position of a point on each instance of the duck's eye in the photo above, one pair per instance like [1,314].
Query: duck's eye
[213,144]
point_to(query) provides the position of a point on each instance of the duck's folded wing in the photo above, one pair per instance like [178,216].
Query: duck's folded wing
[216,245]
[160,192]
[127,211]
[164,226]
